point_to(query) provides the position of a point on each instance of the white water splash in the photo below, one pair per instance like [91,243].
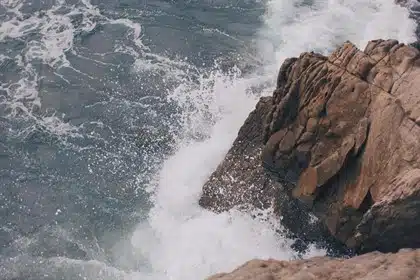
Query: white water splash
[293,27]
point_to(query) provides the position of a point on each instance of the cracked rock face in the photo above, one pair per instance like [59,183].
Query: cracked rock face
[342,135]
[403,265]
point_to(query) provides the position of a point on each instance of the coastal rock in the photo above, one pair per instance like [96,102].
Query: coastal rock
[404,265]
[341,134]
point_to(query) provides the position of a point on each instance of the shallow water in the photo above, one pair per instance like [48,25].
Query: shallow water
[114,113]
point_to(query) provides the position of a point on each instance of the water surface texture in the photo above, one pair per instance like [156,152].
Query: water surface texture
[114,113]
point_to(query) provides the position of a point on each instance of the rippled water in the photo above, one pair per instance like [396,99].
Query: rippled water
[113,114]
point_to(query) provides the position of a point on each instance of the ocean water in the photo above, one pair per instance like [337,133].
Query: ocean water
[114,113]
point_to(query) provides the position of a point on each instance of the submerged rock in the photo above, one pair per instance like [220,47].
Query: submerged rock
[403,265]
[341,134]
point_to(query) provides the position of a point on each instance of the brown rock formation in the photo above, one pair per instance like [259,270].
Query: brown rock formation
[404,265]
[342,133]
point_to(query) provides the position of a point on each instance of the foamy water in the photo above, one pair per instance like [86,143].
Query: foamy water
[178,240]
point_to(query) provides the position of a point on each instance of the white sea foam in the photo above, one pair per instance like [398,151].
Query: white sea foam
[48,36]
[54,37]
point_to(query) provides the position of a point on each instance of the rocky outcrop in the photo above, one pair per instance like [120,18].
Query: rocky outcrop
[404,265]
[342,135]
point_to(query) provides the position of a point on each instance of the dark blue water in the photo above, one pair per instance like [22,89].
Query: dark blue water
[96,95]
